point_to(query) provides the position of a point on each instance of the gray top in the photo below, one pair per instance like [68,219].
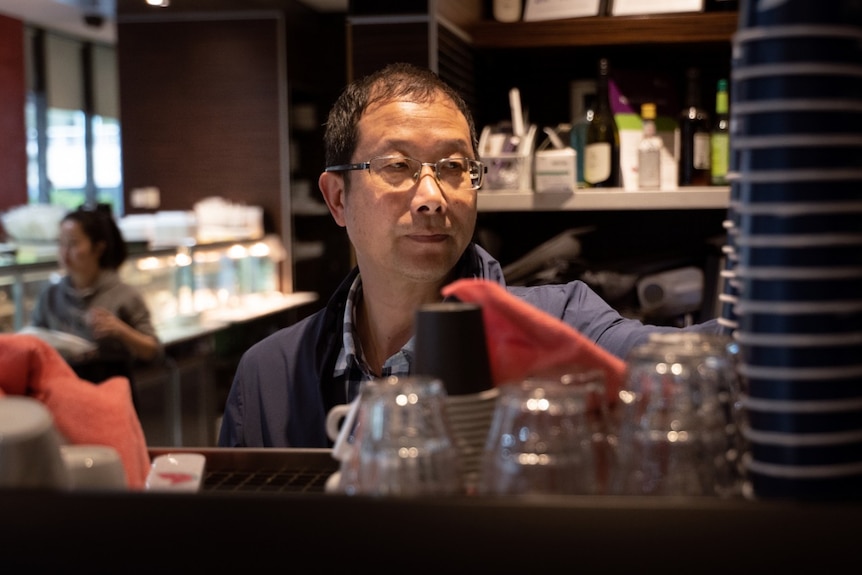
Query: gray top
[63,307]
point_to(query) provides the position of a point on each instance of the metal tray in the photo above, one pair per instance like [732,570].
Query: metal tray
[262,470]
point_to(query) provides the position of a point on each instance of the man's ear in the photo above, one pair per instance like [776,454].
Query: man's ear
[332,187]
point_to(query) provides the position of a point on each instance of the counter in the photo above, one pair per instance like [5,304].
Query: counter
[178,398]
[310,531]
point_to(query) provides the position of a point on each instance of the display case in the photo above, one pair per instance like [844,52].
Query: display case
[181,285]
[209,302]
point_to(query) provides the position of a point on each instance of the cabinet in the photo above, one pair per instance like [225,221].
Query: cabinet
[630,232]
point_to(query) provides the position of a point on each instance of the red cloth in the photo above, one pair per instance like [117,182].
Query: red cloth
[83,413]
[523,340]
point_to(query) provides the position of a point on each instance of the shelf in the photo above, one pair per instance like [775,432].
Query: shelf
[686,28]
[695,198]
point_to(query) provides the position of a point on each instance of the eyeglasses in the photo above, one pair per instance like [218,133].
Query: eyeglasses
[401,173]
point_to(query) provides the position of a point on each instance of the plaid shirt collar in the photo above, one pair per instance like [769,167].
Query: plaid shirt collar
[350,363]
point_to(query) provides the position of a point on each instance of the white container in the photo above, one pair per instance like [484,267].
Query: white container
[556,170]
[507,10]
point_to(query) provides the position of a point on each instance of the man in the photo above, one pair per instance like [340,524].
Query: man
[402,177]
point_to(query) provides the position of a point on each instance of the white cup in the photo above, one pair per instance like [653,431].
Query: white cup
[29,446]
[94,467]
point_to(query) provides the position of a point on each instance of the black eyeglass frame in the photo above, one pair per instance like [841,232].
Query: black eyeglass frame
[483,169]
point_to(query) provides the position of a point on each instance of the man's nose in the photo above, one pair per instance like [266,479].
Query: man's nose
[428,192]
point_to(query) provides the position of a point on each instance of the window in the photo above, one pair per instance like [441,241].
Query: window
[73,126]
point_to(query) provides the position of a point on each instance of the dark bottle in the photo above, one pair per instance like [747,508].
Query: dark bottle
[602,143]
[694,136]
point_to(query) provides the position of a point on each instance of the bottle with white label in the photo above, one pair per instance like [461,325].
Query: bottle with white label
[602,143]
[649,151]
[507,10]
[694,136]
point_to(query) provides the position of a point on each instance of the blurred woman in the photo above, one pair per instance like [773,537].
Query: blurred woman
[91,301]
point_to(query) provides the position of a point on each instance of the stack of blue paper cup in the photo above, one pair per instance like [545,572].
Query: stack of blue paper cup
[796,223]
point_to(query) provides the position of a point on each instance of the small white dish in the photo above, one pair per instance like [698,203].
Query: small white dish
[65,343]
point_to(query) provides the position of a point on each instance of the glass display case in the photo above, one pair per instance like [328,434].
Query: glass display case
[202,297]
[180,284]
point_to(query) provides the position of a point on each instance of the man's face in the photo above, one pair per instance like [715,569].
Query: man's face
[419,233]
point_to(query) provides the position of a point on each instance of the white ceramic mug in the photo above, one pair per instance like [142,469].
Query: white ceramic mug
[29,446]
[94,467]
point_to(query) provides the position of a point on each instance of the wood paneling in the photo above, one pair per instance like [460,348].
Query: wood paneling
[200,109]
[372,46]
[13,137]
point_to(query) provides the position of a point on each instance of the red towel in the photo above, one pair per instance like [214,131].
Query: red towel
[523,340]
[83,413]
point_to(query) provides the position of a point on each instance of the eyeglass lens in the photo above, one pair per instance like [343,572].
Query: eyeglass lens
[401,172]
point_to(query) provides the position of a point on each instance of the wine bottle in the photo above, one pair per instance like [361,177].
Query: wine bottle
[694,136]
[720,137]
[579,135]
[602,145]
[649,151]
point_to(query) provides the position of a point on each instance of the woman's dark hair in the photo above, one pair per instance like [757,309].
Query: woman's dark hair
[98,224]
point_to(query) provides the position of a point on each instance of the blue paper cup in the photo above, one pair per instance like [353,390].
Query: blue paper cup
[779,388]
[837,185]
[784,44]
[798,81]
[804,483]
[763,288]
[799,384]
[807,250]
[762,219]
[754,13]
[805,120]
[799,350]
[806,317]
[813,156]
[829,416]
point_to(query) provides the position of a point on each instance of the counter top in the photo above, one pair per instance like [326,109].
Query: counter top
[146,532]
[209,322]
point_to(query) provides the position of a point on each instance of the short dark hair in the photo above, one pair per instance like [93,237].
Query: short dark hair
[98,224]
[398,80]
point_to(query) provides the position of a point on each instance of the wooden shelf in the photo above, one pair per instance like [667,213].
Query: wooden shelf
[694,198]
[687,28]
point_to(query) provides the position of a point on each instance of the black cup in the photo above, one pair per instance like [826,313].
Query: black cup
[451,345]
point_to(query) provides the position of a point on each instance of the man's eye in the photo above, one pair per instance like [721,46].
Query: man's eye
[452,165]
[399,166]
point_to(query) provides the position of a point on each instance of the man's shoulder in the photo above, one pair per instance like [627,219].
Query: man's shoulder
[291,337]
